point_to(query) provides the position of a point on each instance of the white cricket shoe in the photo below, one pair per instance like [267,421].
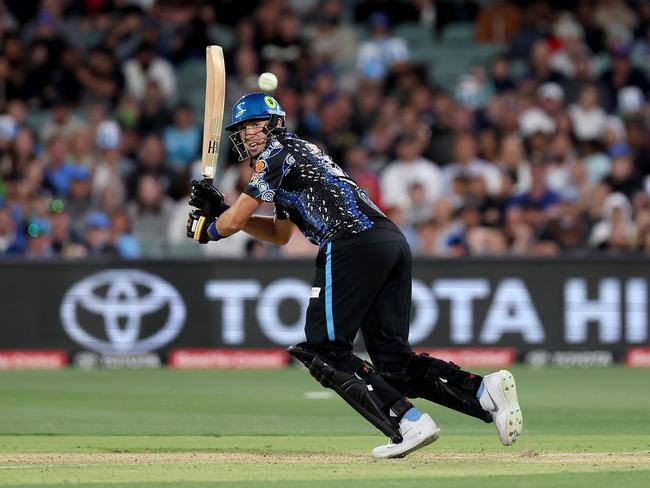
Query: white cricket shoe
[415,434]
[499,397]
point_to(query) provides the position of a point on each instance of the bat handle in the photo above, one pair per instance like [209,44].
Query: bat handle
[202,220]
[199,227]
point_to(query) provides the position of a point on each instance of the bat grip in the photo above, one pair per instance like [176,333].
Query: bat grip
[199,227]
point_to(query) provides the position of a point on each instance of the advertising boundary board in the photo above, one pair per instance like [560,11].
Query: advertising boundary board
[566,312]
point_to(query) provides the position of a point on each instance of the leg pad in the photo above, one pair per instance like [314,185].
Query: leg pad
[352,387]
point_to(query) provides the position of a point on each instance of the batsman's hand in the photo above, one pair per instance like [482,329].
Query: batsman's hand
[193,222]
[208,199]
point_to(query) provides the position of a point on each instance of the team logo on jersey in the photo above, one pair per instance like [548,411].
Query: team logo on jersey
[259,166]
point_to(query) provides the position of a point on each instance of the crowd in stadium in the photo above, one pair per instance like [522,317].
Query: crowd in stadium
[525,133]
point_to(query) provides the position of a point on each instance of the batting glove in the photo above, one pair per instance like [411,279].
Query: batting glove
[208,199]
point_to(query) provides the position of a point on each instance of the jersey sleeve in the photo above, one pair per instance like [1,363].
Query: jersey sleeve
[267,175]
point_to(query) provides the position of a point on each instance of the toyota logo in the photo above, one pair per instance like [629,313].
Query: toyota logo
[122,298]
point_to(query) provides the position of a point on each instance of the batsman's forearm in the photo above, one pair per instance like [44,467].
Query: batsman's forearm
[264,228]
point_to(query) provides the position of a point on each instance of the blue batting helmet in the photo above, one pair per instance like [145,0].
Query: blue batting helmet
[254,106]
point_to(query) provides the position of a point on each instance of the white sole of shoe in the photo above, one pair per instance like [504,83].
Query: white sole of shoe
[514,419]
[423,443]
[420,440]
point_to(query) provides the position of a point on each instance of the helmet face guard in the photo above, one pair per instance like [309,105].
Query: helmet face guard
[254,107]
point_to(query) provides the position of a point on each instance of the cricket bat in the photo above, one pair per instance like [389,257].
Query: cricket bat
[215,96]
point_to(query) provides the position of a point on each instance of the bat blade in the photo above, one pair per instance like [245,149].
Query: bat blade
[215,86]
[215,95]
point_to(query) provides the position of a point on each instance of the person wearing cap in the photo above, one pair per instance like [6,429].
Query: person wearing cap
[551,98]
[623,177]
[362,283]
[112,169]
[622,73]
[97,236]
[382,52]
[570,226]
[78,200]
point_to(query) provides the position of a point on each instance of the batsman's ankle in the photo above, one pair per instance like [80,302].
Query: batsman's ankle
[399,409]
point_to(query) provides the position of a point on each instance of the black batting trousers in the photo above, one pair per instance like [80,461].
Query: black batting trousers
[363,283]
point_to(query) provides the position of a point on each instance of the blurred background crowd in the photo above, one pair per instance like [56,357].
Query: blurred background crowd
[481,127]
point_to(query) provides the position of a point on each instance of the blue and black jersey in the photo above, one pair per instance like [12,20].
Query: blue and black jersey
[311,190]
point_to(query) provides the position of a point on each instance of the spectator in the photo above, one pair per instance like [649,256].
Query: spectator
[37,241]
[66,242]
[98,237]
[616,212]
[382,53]
[122,237]
[428,239]
[154,115]
[151,162]
[62,122]
[621,74]
[420,208]
[100,77]
[467,163]
[539,196]
[570,227]
[540,68]
[513,163]
[287,45]
[409,167]
[333,41]
[182,139]
[146,67]
[59,171]
[149,213]
[79,196]
[623,177]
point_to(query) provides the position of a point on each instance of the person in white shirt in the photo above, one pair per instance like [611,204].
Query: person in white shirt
[408,169]
[146,67]
[469,164]
[378,55]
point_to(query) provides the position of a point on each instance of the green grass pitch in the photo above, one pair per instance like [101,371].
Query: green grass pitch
[166,428]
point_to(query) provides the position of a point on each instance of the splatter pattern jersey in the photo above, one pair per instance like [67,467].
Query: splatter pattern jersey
[311,190]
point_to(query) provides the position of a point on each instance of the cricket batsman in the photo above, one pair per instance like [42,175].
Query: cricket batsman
[362,282]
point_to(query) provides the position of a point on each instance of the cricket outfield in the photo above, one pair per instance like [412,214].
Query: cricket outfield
[157,428]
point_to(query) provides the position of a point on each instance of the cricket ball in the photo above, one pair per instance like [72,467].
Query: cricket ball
[267,82]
